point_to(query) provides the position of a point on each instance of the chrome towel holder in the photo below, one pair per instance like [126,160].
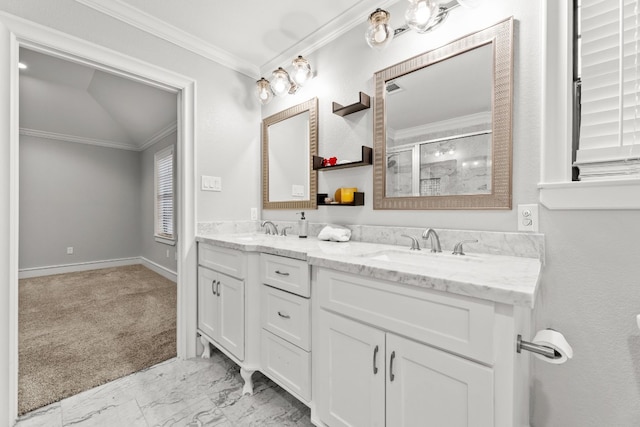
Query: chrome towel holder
[536,348]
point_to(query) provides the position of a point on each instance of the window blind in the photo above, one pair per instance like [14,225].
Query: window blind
[609,144]
[164,218]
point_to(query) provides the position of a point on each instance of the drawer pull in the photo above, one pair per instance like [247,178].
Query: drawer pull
[281,273]
[213,287]
[218,287]
[391,376]
[375,355]
[285,316]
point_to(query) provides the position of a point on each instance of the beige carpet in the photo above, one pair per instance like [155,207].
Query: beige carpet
[80,330]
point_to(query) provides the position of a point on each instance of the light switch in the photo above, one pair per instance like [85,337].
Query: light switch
[216,183]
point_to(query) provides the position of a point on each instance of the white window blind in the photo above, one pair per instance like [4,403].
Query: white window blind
[609,146]
[164,194]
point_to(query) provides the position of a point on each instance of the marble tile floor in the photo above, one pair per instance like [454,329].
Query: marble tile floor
[191,393]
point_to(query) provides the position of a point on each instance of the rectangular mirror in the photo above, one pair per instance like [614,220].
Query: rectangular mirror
[289,142]
[442,133]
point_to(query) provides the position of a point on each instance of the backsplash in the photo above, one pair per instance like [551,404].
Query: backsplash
[528,245]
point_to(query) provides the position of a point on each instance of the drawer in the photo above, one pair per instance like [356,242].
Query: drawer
[225,260]
[286,364]
[291,275]
[455,323]
[287,316]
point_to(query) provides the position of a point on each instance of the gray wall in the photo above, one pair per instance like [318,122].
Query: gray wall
[590,287]
[150,249]
[77,195]
[98,200]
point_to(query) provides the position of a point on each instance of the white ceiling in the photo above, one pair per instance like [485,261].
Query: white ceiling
[68,101]
[251,36]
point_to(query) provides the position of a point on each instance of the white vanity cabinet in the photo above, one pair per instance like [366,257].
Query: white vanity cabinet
[221,299]
[392,355]
[285,350]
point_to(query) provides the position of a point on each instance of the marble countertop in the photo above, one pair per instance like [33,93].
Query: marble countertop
[498,278]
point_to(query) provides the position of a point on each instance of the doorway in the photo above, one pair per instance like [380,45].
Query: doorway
[95,285]
[16,34]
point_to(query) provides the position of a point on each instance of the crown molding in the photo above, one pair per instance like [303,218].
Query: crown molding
[78,139]
[353,17]
[150,24]
[443,125]
[163,133]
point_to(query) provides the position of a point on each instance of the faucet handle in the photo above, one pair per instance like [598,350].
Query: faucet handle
[458,249]
[283,232]
[415,246]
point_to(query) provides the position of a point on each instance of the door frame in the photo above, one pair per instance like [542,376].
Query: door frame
[24,33]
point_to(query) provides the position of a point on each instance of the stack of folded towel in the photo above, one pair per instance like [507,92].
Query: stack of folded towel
[335,234]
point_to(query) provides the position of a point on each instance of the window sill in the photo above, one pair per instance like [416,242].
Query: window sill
[165,241]
[591,195]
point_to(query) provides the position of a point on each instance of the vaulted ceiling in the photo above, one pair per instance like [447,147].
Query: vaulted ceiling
[68,101]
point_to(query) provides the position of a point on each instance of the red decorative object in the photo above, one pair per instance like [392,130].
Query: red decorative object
[331,161]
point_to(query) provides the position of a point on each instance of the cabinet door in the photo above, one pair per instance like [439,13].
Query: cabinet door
[434,388]
[350,393]
[207,302]
[231,321]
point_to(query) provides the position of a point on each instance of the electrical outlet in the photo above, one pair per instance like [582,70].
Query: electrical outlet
[70,250]
[254,214]
[528,218]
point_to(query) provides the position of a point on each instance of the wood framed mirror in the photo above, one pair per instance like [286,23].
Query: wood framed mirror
[289,142]
[442,126]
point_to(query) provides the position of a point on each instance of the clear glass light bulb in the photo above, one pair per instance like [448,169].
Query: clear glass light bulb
[301,71]
[280,83]
[379,34]
[263,91]
[421,14]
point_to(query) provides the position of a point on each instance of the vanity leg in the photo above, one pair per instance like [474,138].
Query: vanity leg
[248,382]
[206,354]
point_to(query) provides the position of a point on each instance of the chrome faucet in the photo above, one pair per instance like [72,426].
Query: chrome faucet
[430,233]
[269,228]
[415,246]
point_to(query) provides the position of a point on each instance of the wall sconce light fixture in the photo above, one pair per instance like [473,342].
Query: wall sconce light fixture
[282,83]
[421,16]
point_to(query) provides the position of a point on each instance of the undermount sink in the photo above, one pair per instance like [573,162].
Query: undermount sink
[419,257]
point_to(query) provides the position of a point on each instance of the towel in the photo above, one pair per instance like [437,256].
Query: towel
[335,234]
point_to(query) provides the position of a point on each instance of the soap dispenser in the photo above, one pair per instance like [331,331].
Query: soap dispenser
[303,226]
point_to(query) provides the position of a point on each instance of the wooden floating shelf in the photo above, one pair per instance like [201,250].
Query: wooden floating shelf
[367,159]
[358,200]
[343,110]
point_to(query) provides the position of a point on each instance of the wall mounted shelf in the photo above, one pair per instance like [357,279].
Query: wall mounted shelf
[343,110]
[367,159]
[358,200]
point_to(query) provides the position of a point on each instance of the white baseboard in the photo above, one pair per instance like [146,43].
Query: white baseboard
[26,273]
[163,271]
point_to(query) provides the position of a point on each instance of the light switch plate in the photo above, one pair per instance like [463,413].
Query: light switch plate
[297,190]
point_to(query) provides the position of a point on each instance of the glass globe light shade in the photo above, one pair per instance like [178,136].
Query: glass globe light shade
[280,83]
[263,91]
[301,71]
[421,14]
[379,34]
